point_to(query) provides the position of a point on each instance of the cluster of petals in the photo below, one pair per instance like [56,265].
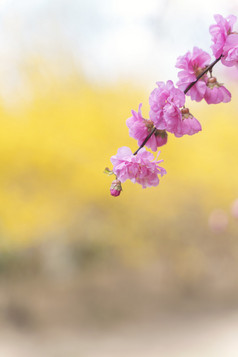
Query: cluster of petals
[166,102]
[221,32]
[138,168]
[192,64]
[139,128]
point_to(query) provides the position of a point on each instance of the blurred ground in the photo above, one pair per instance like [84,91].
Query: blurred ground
[60,299]
[52,332]
[213,336]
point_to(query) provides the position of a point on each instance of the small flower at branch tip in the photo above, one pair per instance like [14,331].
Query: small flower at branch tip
[138,168]
[115,188]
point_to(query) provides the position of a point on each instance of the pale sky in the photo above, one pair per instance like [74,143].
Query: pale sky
[109,40]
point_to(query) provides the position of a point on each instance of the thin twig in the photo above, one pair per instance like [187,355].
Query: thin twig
[145,141]
[209,68]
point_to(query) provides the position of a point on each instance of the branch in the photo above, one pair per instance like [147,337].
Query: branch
[209,68]
[145,141]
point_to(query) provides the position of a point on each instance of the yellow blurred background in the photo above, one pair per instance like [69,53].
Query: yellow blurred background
[76,263]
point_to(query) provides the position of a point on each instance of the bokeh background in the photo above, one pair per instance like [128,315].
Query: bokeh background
[153,272]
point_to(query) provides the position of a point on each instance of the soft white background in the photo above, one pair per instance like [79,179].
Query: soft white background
[108,40]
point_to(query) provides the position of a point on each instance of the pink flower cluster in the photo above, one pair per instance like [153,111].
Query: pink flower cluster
[168,113]
[192,65]
[138,168]
[225,40]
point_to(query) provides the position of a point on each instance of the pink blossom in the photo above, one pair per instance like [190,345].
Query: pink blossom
[220,32]
[138,168]
[216,92]
[189,125]
[192,65]
[139,128]
[165,103]
[230,51]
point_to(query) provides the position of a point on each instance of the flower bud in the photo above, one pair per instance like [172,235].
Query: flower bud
[115,188]
[212,80]
[185,111]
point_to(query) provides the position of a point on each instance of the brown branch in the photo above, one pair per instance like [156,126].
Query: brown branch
[145,141]
[209,68]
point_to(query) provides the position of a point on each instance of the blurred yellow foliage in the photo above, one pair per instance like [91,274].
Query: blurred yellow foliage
[53,151]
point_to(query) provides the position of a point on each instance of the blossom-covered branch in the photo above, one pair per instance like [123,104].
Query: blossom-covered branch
[168,113]
[208,69]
